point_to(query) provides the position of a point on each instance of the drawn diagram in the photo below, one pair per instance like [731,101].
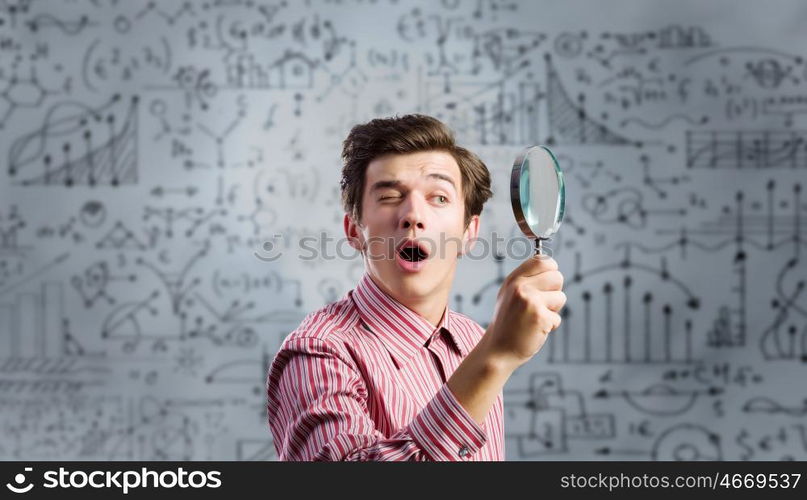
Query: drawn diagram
[170,210]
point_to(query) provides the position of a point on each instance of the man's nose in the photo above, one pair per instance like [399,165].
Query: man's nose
[412,214]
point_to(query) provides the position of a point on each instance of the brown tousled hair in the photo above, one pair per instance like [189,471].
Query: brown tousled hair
[408,134]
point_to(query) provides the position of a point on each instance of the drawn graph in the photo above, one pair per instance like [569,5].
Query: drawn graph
[569,123]
[768,221]
[618,318]
[80,146]
[505,111]
[746,149]
[517,110]
[31,323]
[786,336]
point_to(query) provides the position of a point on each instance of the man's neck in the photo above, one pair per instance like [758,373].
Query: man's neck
[431,308]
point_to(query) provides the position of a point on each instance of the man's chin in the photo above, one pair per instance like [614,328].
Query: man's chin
[409,283]
[403,283]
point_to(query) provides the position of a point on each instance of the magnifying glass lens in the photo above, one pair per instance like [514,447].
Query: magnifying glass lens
[530,214]
[538,192]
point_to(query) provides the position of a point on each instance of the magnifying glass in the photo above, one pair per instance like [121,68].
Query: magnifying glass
[537,193]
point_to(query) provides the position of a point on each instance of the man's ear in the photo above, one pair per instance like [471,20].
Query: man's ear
[469,236]
[352,232]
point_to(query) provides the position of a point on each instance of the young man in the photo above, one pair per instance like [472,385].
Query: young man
[389,372]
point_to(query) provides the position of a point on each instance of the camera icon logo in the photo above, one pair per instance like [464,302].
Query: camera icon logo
[19,479]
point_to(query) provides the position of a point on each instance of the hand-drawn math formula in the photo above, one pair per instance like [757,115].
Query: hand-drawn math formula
[166,165]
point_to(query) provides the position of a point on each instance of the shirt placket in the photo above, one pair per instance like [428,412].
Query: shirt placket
[443,358]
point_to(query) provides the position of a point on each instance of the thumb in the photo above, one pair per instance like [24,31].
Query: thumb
[534,265]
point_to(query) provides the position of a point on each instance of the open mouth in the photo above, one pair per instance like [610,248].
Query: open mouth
[412,255]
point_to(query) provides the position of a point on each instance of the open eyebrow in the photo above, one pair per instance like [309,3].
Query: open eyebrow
[397,184]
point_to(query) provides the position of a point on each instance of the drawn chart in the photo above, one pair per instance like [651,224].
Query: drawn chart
[170,211]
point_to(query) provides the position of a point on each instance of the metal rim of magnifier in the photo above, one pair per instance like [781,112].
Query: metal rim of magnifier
[515,189]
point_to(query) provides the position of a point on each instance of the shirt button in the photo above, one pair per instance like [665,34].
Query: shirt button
[464,452]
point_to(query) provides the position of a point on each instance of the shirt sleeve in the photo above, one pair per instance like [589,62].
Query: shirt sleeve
[317,410]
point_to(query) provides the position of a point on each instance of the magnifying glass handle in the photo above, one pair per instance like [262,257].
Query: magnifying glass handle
[539,245]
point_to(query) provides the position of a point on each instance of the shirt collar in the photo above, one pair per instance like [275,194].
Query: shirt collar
[403,331]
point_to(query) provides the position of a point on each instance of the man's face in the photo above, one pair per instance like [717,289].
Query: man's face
[418,197]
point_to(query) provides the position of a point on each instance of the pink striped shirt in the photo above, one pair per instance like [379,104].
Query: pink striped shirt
[364,378]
